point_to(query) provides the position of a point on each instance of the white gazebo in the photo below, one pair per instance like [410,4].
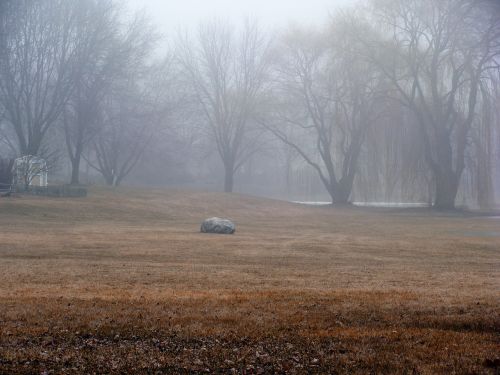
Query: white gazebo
[30,170]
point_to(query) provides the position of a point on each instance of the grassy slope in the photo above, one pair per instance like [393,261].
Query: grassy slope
[123,281]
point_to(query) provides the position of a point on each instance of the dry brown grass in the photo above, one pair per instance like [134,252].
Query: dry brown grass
[123,282]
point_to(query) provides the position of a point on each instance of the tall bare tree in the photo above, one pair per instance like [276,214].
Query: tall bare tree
[436,54]
[227,70]
[99,60]
[122,140]
[36,66]
[327,101]
[135,109]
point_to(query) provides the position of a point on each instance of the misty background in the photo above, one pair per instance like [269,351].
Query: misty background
[170,16]
[373,101]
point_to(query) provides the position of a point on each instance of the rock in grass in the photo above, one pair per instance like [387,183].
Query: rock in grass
[218,226]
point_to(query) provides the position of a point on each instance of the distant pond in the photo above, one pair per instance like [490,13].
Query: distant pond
[368,204]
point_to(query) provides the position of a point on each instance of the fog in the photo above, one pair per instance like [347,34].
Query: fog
[377,102]
[172,15]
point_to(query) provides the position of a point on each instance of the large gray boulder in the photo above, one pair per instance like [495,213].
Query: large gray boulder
[218,225]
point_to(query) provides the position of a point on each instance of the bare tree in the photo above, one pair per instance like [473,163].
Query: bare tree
[131,116]
[98,60]
[227,72]
[481,154]
[129,124]
[327,102]
[36,65]
[436,58]
[121,142]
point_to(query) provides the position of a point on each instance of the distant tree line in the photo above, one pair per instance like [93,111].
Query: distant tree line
[397,97]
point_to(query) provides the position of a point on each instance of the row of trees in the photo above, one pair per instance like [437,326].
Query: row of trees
[397,93]
[73,73]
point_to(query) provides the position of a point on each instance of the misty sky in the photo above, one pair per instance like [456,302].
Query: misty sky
[170,14]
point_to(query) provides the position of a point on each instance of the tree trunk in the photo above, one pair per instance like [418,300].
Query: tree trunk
[228,179]
[75,156]
[485,162]
[344,190]
[75,170]
[446,190]
[445,178]
[110,179]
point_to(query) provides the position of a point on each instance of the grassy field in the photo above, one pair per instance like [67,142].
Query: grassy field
[122,281]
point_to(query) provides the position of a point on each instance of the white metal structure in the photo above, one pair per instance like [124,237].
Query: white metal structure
[30,170]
